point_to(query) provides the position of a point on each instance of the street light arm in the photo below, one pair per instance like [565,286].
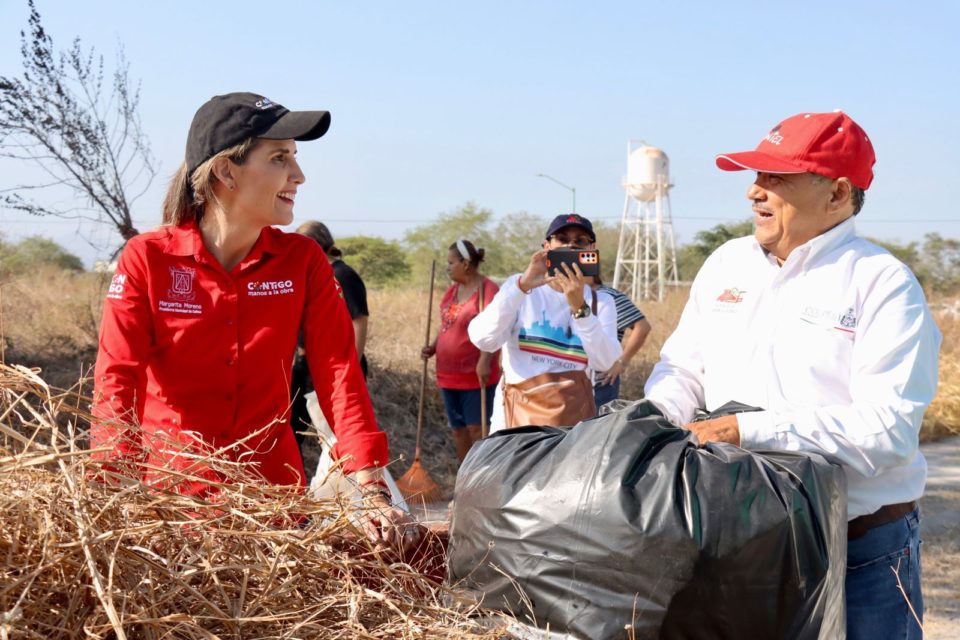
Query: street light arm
[572,190]
[565,186]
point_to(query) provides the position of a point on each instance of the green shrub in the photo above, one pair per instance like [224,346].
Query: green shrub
[34,252]
[379,262]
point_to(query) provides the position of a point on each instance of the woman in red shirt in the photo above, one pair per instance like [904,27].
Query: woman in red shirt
[202,317]
[463,371]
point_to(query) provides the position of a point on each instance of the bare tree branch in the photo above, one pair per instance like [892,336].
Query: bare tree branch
[79,129]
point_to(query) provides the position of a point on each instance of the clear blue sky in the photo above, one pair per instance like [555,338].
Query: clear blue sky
[438,103]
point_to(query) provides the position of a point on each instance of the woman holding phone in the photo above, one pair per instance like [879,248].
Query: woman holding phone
[554,329]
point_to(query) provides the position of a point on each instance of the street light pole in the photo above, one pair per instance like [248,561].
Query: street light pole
[572,190]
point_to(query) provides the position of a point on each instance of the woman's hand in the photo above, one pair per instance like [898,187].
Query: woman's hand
[536,272]
[571,281]
[428,351]
[610,375]
[483,371]
[384,523]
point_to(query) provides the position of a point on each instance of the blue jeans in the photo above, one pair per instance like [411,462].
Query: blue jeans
[604,393]
[463,405]
[876,609]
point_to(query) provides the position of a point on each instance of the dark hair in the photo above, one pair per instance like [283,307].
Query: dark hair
[319,232]
[475,254]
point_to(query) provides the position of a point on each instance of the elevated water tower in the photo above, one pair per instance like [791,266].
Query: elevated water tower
[646,256]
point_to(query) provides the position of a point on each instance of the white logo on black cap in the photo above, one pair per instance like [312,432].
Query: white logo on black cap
[265,103]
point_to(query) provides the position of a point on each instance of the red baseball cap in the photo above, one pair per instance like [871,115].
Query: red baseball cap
[828,144]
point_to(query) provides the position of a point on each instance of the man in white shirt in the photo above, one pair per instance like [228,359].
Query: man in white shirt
[831,337]
[549,325]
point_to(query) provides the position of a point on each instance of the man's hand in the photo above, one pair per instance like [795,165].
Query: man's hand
[725,429]
[428,351]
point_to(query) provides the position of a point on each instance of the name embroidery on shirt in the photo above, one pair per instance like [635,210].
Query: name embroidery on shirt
[269,287]
[846,321]
[175,306]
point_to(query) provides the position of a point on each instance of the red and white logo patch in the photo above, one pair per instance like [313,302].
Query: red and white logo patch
[181,284]
[733,296]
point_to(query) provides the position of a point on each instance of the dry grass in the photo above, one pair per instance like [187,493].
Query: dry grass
[943,416]
[81,558]
[50,319]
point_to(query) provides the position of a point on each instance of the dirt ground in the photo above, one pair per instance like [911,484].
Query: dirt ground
[940,530]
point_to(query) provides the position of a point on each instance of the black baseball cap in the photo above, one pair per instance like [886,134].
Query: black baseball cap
[227,120]
[571,220]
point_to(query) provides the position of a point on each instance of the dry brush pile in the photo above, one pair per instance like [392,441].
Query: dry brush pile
[84,558]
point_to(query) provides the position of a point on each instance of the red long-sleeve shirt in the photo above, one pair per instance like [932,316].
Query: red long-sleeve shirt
[188,347]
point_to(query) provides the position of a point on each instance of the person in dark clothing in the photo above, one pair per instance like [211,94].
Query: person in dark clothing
[355,296]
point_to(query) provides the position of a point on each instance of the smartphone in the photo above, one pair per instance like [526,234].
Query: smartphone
[587,259]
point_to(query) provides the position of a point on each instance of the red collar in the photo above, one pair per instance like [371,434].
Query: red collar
[185,240]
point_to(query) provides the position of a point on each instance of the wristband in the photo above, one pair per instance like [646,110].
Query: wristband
[375,489]
[373,485]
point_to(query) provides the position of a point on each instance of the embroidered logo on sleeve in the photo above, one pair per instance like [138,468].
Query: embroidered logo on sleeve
[116,286]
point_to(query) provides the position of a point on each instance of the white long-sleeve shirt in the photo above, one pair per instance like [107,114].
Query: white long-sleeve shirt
[837,346]
[538,334]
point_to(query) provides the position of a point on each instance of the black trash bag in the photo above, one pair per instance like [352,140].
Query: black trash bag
[624,520]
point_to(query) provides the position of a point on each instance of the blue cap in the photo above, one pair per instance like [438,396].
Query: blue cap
[571,220]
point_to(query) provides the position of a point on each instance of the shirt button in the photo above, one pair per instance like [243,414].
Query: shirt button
[230,360]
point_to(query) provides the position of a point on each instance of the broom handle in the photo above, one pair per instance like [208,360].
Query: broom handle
[483,409]
[483,383]
[423,377]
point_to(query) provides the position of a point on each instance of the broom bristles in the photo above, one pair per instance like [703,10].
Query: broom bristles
[417,483]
